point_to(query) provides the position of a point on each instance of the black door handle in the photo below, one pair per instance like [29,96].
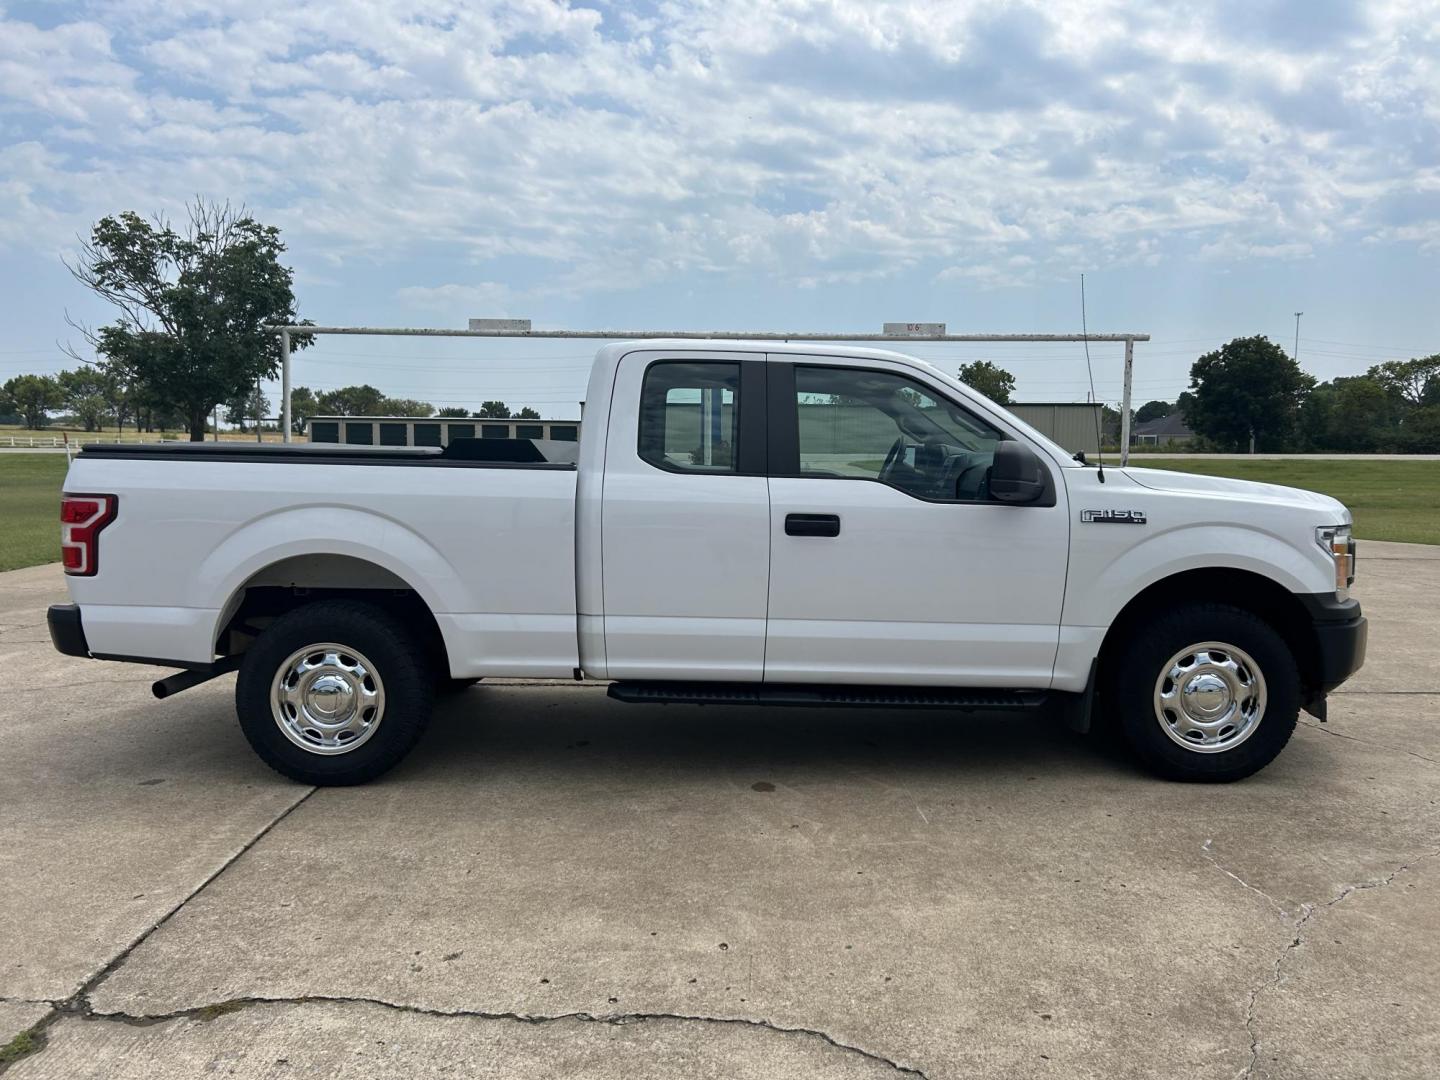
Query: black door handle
[812,524]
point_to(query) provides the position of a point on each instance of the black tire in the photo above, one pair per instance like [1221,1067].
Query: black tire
[448,685]
[1137,664]
[406,675]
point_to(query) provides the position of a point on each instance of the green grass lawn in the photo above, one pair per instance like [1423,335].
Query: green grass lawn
[1391,500]
[30,508]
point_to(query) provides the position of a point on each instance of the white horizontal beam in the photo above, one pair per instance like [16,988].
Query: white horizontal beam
[721,335]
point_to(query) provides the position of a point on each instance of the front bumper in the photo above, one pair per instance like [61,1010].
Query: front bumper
[67,633]
[1341,634]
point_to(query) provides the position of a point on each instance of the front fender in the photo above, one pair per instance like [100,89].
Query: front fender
[1102,581]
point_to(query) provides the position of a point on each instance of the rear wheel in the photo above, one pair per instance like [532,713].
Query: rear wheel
[1205,692]
[334,693]
[447,685]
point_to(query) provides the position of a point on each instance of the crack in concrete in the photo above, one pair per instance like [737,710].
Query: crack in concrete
[1274,904]
[1307,912]
[1368,742]
[78,1003]
[220,1008]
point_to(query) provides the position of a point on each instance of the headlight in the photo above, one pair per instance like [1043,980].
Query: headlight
[1340,546]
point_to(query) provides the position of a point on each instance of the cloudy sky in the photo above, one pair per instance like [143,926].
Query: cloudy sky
[1211,167]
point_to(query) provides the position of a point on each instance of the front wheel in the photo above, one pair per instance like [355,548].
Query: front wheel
[334,693]
[1205,692]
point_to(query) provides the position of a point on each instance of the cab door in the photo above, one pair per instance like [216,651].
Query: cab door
[686,518]
[889,562]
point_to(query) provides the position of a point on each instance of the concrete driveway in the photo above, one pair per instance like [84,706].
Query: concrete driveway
[558,885]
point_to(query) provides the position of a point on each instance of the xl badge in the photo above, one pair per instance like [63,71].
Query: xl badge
[1113,517]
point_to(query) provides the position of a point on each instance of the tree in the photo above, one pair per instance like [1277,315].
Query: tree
[1248,388]
[1414,381]
[1110,424]
[362,400]
[33,397]
[302,406]
[1420,433]
[1153,410]
[494,410]
[1354,415]
[989,379]
[247,407]
[527,413]
[193,303]
[88,394]
[407,407]
[454,412]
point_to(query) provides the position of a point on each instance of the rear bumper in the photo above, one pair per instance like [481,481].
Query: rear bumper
[67,633]
[1341,635]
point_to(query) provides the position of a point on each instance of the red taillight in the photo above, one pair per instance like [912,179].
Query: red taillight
[81,519]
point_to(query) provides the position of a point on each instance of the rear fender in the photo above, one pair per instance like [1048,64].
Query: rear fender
[326,530]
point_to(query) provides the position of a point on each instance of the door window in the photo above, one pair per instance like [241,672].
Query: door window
[689,412]
[875,425]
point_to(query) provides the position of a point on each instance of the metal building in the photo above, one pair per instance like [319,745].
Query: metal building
[1072,424]
[433,430]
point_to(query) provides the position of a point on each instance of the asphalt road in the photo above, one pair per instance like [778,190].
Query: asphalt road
[557,885]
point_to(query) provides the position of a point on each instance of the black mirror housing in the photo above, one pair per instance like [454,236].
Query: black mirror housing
[1018,476]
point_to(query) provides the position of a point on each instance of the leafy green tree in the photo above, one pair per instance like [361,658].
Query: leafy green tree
[1248,388]
[193,303]
[454,412]
[989,379]
[1153,410]
[1416,382]
[494,410]
[1352,415]
[33,397]
[363,400]
[527,413]
[89,395]
[407,407]
[247,407]
[1420,433]
[302,406]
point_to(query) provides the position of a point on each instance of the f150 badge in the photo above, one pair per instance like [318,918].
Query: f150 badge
[1113,517]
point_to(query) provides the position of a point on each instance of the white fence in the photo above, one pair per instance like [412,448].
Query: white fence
[57,441]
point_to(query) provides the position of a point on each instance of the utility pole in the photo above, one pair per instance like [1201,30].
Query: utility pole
[1295,355]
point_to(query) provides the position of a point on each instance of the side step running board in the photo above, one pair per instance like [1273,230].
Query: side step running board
[828,696]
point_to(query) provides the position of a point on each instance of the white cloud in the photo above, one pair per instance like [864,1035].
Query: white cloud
[813,142]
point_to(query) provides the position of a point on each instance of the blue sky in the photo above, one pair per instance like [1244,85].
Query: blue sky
[1211,168]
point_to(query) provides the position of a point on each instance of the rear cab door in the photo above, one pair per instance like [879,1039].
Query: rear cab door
[685,517]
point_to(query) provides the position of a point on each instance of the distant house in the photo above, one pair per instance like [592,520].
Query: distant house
[1161,432]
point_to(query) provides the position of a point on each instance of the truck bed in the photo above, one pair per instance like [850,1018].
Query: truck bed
[487,544]
[462,453]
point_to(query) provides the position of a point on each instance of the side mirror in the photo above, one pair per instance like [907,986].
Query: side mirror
[1017,474]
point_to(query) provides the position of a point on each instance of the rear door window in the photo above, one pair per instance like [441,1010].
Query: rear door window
[689,415]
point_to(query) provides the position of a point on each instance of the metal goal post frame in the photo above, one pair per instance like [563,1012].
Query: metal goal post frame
[519,328]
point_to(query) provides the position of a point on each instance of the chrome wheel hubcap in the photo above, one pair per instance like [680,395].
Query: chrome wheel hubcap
[327,698]
[1210,697]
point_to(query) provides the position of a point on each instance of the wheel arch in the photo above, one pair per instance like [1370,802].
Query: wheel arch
[1244,589]
[292,581]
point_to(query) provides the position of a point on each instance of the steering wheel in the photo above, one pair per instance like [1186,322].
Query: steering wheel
[893,456]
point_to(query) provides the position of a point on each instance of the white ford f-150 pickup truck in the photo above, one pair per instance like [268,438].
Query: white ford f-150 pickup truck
[743,523]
